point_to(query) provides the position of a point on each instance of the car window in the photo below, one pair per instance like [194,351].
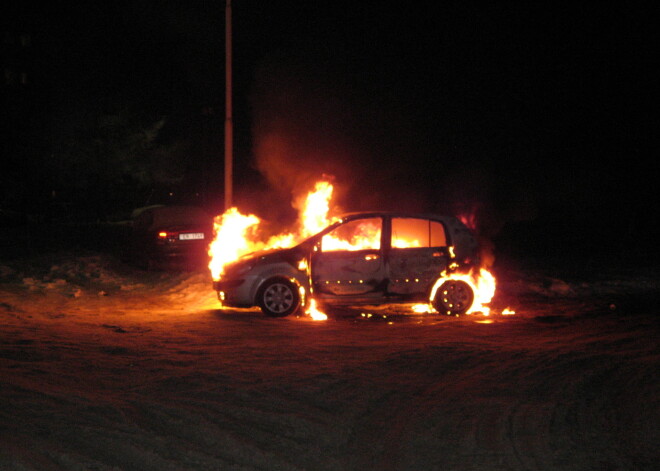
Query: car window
[360,234]
[179,216]
[412,232]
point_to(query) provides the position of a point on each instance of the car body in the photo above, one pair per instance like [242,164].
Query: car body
[405,255]
[173,236]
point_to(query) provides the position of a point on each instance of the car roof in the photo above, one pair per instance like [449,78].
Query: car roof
[399,214]
[346,217]
[156,216]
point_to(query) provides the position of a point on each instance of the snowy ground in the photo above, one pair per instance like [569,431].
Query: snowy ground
[107,367]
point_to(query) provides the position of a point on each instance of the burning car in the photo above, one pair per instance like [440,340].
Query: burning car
[362,258]
[176,235]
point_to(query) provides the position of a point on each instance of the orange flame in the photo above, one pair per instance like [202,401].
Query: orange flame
[314,312]
[483,286]
[315,209]
[232,231]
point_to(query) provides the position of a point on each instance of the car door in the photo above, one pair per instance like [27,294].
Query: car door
[348,261]
[418,254]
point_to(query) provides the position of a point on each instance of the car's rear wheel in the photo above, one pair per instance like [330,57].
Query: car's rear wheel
[278,297]
[453,297]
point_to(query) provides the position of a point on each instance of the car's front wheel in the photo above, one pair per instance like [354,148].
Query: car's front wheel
[453,297]
[278,297]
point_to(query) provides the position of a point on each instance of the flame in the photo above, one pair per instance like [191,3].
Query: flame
[232,239]
[469,219]
[483,286]
[399,243]
[314,213]
[366,236]
[422,308]
[314,312]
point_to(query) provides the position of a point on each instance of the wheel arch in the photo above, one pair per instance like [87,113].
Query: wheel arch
[281,271]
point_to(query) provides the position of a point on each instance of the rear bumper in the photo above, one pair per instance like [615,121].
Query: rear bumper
[178,254]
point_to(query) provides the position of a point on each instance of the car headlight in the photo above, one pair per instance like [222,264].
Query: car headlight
[240,269]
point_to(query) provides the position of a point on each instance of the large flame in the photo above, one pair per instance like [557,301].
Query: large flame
[233,231]
[315,209]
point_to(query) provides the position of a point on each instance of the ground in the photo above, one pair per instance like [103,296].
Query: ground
[107,367]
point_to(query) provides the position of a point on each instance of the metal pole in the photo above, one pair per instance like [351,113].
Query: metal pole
[229,127]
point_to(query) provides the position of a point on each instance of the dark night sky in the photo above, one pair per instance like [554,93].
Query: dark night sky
[527,112]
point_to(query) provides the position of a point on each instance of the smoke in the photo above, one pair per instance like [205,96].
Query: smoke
[311,122]
[302,130]
[316,120]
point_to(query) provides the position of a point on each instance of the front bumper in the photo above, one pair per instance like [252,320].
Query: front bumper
[237,292]
[226,285]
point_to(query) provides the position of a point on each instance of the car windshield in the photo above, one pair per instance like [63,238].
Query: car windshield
[171,216]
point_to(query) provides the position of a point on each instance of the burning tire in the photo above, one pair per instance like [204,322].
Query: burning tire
[278,297]
[453,297]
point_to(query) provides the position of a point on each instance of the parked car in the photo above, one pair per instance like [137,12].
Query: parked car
[170,236]
[365,258]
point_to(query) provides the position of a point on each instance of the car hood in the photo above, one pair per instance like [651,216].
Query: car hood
[271,255]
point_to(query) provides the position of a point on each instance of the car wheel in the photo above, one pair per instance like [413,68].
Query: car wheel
[278,297]
[453,297]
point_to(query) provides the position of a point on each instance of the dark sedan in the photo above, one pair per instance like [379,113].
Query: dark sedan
[170,237]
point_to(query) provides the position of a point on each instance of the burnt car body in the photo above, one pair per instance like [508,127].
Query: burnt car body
[386,270]
[175,236]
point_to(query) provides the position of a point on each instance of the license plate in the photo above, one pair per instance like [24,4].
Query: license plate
[191,236]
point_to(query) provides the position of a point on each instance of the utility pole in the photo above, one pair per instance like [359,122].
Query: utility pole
[229,126]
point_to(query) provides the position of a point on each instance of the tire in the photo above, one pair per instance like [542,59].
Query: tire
[278,297]
[453,297]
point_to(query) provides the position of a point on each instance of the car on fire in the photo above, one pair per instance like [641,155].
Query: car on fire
[364,258]
[168,236]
